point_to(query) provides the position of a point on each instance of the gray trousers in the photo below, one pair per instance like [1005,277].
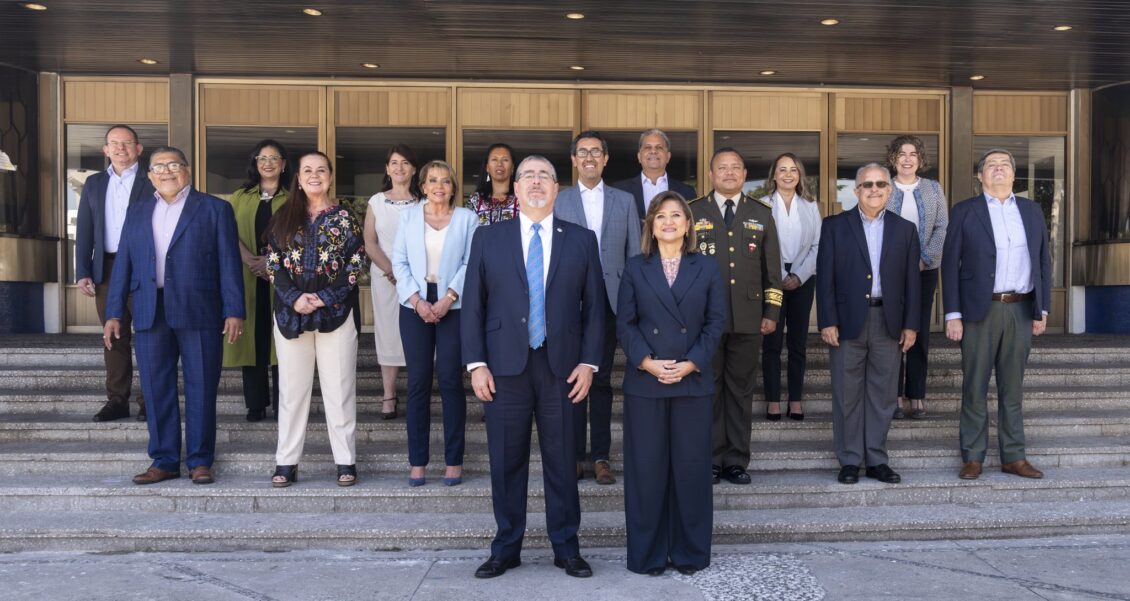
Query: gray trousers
[1002,342]
[864,393]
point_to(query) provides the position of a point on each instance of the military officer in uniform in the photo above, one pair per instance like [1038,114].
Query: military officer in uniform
[738,231]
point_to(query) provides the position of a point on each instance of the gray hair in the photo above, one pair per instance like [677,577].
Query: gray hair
[981,161]
[172,149]
[535,157]
[868,167]
[655,131]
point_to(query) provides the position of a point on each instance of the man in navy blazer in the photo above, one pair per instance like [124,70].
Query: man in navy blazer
[610,214]
[106,197]
[654,155]
[179,261]
[867,294]
[533,318]
[996,289]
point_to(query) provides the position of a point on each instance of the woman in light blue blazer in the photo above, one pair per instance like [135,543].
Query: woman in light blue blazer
[429,260]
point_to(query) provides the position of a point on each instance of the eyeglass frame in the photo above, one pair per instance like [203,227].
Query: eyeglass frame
[163,168]
[268,158]
[539,175]
[595,153]
[867,185]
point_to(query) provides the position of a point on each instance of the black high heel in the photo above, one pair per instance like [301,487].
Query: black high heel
[390,414]
[773,417]
[289,473]
[796,416]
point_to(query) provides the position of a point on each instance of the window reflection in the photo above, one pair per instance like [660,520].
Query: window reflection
[760,148]
[226,150]
[856,150]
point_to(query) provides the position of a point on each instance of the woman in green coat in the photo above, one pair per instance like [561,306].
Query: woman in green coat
[268,178]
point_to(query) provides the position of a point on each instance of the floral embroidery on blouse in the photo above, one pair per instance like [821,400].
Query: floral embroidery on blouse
[324,258]
[671,269]
[490,210]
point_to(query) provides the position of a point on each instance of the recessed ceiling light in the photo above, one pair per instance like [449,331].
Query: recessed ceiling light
[34,6]
[313,12]
[147,61]
[976,77]
[1062,28]
[370,65]
[768,72]
[575,16]
[830,22]
[577,68]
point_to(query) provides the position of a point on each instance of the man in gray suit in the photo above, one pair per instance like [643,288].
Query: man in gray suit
[611,215]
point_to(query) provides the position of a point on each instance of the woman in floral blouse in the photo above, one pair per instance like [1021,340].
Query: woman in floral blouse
[316,253]
[493,199]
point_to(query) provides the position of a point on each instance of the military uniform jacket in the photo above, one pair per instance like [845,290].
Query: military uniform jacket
[748,256]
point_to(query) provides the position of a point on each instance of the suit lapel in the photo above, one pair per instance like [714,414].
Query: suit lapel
[607,211]
[688,273]
[982,211]
[637,195]
[191,206]
[556,256]
[653,273]
[710,210]
[856,221]
[887,240]
[1031,233]
[139,181]
[512,231]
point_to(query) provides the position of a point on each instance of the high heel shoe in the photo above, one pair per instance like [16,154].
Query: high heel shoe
[390,414]
[416,481]
[288,473]
[346,475]
[456,481]
[799,416]
[773,417]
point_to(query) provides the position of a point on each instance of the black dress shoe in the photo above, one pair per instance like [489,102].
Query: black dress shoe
[256,415]
[849,474]
[656,571]
[495,567]
[141,414]
[687,570]
[715,474]
[736,475]
[576,567]
[883,473]
[111,411]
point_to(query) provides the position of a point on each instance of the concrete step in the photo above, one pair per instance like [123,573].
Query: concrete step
[221,531]
[57,459]
[316,492]
[371,428]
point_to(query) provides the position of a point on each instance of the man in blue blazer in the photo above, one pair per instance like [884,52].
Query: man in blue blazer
[610,214]
[654,155]
[533,318]
[996,289]
[867,294]
[106,197]
[179,261]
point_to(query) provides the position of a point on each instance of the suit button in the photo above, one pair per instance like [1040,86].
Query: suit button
[682,330]
[992,275]
[655,331]
[731,249]
[732,281]
[869,276]
[523,320]
[866,296]
[731,265]
[731,234]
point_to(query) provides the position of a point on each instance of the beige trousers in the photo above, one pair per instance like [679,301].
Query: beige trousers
[335,354]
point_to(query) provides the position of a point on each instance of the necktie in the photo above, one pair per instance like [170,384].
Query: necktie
[534,270]
[729,216]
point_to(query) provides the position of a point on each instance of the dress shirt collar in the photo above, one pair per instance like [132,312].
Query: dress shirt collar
[1011,199]
[876,221]
[599,187]
[128,174]
[526,222]
[661,181]
[183,194]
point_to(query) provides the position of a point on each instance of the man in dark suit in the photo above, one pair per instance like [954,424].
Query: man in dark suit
[867,294]
[179,262]
[996,289]
[533,319]
[654,155]
[102,207]
[611,215]
[739,232]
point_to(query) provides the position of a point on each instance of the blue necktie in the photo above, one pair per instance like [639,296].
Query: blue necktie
[534,270]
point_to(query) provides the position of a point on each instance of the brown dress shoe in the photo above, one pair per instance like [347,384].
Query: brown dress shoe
[154,475]
[970,470]
[603,472]
[201,474]
[1021,468]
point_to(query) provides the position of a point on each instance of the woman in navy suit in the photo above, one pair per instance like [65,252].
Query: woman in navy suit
[429,261]
[670,316]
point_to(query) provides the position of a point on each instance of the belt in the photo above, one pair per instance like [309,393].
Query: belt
[1011,297]
[874,302]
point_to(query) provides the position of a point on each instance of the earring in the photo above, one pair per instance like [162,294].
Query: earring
[488,177]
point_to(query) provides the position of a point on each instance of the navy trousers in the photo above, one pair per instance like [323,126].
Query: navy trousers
[535,395]
[200,353]
[434,349]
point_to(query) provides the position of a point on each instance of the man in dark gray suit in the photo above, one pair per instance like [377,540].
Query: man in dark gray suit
[867,306]
[611,215]
[654,155]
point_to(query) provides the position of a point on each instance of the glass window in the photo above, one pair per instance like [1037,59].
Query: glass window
[856,150]
[761,148]
[553,145]
[623,150]
[226,149]
[1040,176]
[361,153]
[84,158]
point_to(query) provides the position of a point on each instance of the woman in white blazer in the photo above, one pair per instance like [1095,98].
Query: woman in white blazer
[797,218]
[429,260]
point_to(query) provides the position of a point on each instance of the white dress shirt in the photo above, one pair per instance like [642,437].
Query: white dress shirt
[790,228]
[165,218]
[873,231]
[117,203]
[650,190]
[592,201]
[721,201]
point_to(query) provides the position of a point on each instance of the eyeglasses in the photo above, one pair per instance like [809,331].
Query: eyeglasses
[881,184]
[121,143]
[529,176]
[584,153]
[268,158]
[161,168]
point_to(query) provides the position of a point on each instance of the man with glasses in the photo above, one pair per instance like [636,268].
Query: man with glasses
[610,214]
[179,262]
[996,288]
[533,318]
[867,294]
[654,155]
[739,232]
[102,207]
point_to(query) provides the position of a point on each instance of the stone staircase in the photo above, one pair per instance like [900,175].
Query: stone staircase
[65,481]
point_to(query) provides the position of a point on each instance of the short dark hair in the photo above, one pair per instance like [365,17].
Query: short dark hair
[648,244]
[895,147]
[172,149]
[125,127]
[981,161]
[588,133]
[724,150]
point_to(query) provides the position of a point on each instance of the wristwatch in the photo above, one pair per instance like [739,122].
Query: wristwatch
[454,297]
